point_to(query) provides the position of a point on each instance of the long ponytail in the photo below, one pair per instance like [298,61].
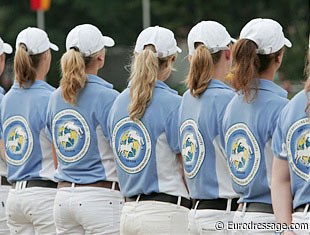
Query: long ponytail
[247,66]
[25,66]
[201,69]
[144,73]
[74,77]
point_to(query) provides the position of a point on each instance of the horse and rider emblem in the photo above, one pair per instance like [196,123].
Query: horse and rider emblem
[16,140]
[302,154]
[240,154]
[192,147]
[243,153]
[130,144]
[189,148]
[71,135]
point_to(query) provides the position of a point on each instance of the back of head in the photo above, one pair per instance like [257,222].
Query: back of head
[206,41]
[5,48]
[83,43]
[261,42]
[31,44]
[154,51]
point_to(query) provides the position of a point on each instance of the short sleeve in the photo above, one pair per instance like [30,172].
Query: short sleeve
[172,130]
[278,139]
[48,120]
[103,110]
[222,104]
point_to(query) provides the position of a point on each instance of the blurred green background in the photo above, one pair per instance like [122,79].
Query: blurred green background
[122,20]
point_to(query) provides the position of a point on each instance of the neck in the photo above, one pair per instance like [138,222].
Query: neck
[91,70]
[41,73]
[268,74]
[219,74]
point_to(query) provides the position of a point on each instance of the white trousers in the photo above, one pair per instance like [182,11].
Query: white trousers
[302,218]
[30,211]
[153,218]
[251,218]
[87,210]
[4,191]
[209,221]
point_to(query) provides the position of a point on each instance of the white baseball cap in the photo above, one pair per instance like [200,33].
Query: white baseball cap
[212,34]
[88,39]
[5,47]
[36,41]
[161,38]
[267,34]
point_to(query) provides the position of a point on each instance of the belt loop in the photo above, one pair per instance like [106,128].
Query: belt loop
[17,185]
[138,198]
[306,210]
[24,184]
[113,185]
[244,208]
[196,205]
[228,207]
[179,201]
[72,185]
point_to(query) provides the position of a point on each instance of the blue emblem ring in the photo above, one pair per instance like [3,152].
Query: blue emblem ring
[18,140]
[71,135]
[131,144]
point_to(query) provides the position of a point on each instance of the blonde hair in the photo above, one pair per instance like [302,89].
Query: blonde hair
[201,69]
[25,66]
[74,77]
[144,72]
[247,65]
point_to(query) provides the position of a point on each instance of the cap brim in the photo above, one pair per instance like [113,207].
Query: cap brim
[108,42]
[7,49]
[287,42]
[54,47]
[179,50]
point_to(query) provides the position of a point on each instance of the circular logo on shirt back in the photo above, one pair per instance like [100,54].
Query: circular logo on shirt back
[18,140]
[243,153]
[131,144]
[298,142]
[193,149]
[71,135]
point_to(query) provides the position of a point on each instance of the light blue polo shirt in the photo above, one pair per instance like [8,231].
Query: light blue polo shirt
[291,142]
[80,135]
[146,150]
[248,130]
[23,119]
[204,159]
[3,170]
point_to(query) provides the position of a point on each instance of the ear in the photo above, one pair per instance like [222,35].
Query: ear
[278,59]
[100,58]
[227,54]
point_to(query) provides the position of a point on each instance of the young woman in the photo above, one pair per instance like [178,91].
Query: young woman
[143,124]
[250,119]
[290,183]
[28,151]
[5,48]
[88,200]
[201,112]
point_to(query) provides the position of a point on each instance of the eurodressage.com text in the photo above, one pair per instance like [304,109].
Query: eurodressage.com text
[230,225]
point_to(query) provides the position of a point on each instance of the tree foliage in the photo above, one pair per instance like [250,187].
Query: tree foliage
[122,20]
